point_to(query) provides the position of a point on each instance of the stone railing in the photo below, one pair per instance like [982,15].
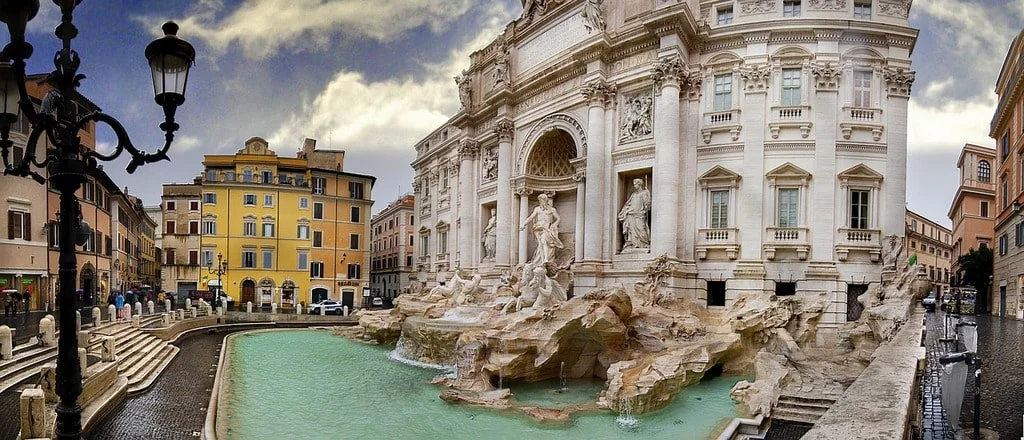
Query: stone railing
[794,238]
[861,118]
[791,112]
[720,239]
[792,116]
[859,240]
[728,120]
[863,114]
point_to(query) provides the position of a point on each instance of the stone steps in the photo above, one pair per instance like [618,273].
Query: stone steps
[129,363]
[154,366]
[801,409]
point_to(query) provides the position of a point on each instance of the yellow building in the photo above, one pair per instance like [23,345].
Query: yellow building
[276,222]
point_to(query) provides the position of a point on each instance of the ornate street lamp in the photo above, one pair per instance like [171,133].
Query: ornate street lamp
[219,270]
[67,161]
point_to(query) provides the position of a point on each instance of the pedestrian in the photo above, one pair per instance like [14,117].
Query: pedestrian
[15,303]
[28,300]
[119,305]
[8,302]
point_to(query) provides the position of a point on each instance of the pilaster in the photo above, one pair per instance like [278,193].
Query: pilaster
[468,222]
[505,130]
[667,74]
[897,85]
[595,93]
[823,197]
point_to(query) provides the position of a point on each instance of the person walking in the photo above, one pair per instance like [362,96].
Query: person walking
[15,303]
[119,305]
[28,300]
[8,303]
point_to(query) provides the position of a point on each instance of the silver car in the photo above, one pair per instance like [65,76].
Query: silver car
[328,305]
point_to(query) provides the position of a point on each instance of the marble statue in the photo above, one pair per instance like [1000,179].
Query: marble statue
[490,236]
[457,289]
[633,215]
[500,73]
[536,290]
[893,249]
[593,18]
[544,220]
[490,163]
[637,120]
[465,89]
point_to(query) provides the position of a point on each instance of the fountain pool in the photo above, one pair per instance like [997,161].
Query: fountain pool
[311,384]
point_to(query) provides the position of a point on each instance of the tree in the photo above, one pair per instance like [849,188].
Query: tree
[976,266]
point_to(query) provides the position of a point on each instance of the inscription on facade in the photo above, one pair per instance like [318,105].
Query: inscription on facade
[640,59]
[571,85]
[560,37]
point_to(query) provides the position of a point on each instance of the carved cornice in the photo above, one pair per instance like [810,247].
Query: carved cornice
[468,149]
[504,129]
[898,81]
[834,5]
[755,77]
[598,92]
[668,70]
[826,76]
[757,6]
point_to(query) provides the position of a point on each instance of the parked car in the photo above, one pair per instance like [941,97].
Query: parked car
[929,303]
[377,301]
[329,306]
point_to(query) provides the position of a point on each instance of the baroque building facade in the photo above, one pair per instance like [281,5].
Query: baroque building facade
[1007,129]
[759,145]
[391,247]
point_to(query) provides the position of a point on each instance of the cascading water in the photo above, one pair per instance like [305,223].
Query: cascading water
[503,350]
[561,377]
[625,419]
[406,353]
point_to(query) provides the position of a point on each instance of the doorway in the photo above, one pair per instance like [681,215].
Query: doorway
[248,291]
[319,294]
[88,286]
[348,298]
[853,307]
[1002,301]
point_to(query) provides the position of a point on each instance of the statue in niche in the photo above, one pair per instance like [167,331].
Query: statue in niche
[465,89]
[637,121]
[500,73]
[633,215]
[490,236]
[544,219]
[490,162]
[593,19]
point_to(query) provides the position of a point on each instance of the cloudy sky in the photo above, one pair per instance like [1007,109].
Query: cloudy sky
[373,80]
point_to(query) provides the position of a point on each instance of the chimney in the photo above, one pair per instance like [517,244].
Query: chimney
[308,145]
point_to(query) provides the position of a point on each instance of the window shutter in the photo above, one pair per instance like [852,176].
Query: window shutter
[10,225]
[26,220]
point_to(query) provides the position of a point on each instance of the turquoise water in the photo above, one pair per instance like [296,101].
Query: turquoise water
[307,384]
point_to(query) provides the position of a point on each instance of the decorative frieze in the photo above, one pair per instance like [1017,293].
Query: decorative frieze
[756,78]
[834,5]
[826,77]
[757,6]
[489,164]
[894,8]
[504,129]
[633,155]
[637,117]
[898,81]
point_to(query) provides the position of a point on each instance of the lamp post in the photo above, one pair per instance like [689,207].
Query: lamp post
[219,270]
[67,161]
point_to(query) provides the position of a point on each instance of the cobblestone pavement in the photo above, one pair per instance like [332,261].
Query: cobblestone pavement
[175,407]
[9,408]
[934,424]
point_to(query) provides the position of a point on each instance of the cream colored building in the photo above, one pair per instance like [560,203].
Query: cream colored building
[771,136]
[932,244]
[392,241]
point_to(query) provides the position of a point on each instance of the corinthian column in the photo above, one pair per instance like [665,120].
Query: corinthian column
[595,93]
[524,211]
[468,223]
[503,247]
[667,72]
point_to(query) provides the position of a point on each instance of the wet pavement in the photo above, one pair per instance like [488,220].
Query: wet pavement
[934,425]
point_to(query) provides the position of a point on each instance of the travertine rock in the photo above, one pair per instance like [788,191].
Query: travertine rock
[383,326]
[759,396]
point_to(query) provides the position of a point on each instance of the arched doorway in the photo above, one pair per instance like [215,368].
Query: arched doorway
[319,294]
[87,283]
[248,291]
[267,291]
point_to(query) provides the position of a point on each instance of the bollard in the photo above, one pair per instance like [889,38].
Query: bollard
[135,321]
[193,312]
[165,319]
[46,327]
[95,317]
[6,343]
[248,307]
[78,321]
[298,310]
[108,350]
[33,413]
[344,310]
[83,361]
[323,310]
[138,308]
[127,312]
[48,379]
[188,303]
[83,338]
[181,314]
[167,305]
[220,311]
[111,313]
[152,307]
[273,308]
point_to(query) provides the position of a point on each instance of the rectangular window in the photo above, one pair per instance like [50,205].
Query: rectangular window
[725,15]
[424,245]
[862,10]
[193,227]
[303,232]
[268,177]
[248,258]
[207,258]
[210,198]
[172,205]
[1006,192]
[169,227]
[984,209]
[303,203]
[319,185]
[355,190]
[169,255]
[249,199]
[355,214]
[247,176]
[268,200]
[303,260]
[723,92]
[193,205]
[716,293]
[211,175]
[193,257]
[316,269]
[209,227]
[353,241]
[719,209]
[862,88]
[318,210]
[1004,145]
[1018,236]
[229,176]
[791,8]
[408,260]
[785,289]
[859,208]
[788,207]
[268,229]
[87,191]
[249,229]
[318,239]
[354,272]
[1003,244]
[791,86]
[442,242]
[55,235]
[268,259]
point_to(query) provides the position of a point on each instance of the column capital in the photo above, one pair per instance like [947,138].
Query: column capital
[579,176]
[598,92]
[468,149]
[668,71]
[504,129]
[826,77]
[898,81]
[756,77]
[693,84]
[524,192]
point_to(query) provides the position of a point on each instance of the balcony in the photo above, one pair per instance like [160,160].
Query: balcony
[795,239]
[718,240]
[728,120]
[867,241]
[793,116]
[861,118]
